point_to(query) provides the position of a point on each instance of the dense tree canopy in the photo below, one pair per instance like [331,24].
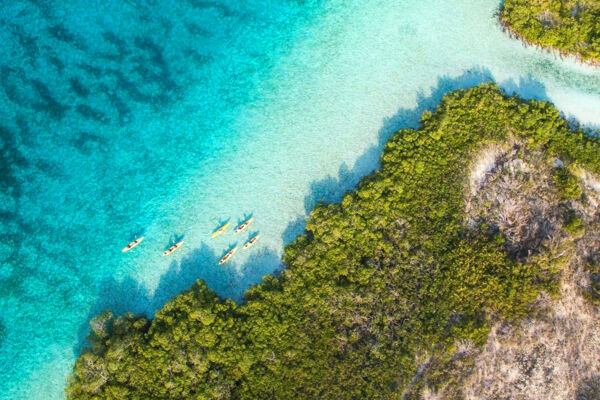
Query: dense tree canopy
[571,26]
[388,275]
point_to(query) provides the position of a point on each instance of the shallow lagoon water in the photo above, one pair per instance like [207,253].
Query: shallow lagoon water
[138,117]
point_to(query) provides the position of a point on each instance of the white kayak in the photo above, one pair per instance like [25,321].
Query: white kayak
[132,244]
[227,256]
[172,248]
[251,242]
[243,225]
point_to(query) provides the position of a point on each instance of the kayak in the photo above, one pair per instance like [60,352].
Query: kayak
[132,244]
[220,230]
[172,248]
[243,225]
[251,242]
[227,256]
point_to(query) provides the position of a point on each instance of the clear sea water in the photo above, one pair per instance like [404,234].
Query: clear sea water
[163,119]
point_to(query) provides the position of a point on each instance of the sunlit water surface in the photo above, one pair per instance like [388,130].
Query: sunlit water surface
[163,119]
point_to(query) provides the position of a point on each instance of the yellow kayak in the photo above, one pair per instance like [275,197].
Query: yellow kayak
[243,225]
[220,230]
[227,256]
[251,242]
[172,248]
[132,244]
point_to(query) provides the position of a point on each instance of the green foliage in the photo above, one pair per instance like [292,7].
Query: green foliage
[592,294]
[567,184]
[389,273]
[473,328]
[574,224]
[100,326]
[571,26]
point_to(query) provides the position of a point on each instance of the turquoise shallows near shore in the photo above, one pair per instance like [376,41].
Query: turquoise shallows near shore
[165,119]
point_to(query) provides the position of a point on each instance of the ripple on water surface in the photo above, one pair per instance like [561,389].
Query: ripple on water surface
[160,120]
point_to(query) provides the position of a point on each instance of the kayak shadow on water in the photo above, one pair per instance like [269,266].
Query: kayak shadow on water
[245,218]
[228,249]
[175,238]
[220,223]
[137,233]
[231,279]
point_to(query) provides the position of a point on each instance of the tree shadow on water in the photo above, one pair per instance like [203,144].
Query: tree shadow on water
[231,279]
[332,189]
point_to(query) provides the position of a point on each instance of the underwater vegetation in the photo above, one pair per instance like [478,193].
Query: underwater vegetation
[131,69]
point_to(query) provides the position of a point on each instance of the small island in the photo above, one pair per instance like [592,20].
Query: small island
[569,26]
[472,224]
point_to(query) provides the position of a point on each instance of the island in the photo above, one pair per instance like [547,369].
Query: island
[476,223]
[569,26]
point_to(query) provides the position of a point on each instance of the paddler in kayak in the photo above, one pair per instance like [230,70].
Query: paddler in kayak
[243,225]
[251,242]
[227,256]
[132,244]
[172,248]
[220,230]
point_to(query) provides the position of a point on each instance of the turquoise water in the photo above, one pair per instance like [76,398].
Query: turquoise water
[139,117]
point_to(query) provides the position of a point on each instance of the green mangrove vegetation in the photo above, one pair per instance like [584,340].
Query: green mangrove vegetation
[467,221]
[570,26]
